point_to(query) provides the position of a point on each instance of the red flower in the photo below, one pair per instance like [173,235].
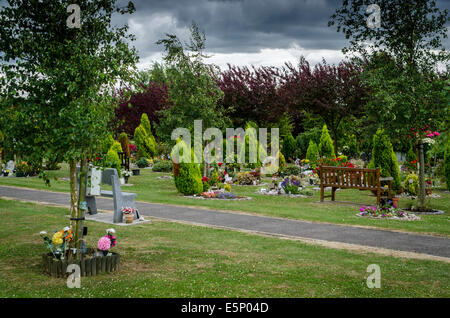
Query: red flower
[413,162]
[205,179]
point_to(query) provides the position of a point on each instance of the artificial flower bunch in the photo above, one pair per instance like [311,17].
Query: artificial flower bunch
[108,241]
[127,173]
[59,243]
[128,211]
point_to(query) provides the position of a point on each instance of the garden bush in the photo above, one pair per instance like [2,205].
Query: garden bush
[411,184]
[411,159]
[116,146]
[350,148]
[187,176]
[106,143]
[383,156]
[142,162]
[289,146]
[312,154]
[291,170]
[326,148]
[112,160]
[144,140]
[447,164]
[162,166]
[281,162]
[245,178]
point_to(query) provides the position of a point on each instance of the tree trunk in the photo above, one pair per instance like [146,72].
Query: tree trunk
[421,202]
[73,198]
[82,205]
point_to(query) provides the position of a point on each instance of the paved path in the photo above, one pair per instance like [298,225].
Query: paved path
[424,244]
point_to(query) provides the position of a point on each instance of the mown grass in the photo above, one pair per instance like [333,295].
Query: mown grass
[164,259]
[151,189]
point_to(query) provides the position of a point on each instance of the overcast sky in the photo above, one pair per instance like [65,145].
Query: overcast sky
[243,32]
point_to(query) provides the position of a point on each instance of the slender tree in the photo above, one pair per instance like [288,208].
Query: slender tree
[58,82]
[404,52]
[193,90]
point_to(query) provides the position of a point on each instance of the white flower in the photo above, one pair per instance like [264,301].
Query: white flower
[110,231]
[66,229]
[42,233]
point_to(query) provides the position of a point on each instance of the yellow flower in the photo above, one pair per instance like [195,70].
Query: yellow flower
[57,238]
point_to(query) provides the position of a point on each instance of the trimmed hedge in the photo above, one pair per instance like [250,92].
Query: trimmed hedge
[187,176]
[326,148]
[312,154]
[162,166]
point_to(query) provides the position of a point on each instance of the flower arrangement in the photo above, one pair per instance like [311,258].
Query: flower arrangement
[291,185]
[127,173]
[128,211]
[104,244]
[59,243]
[385,211]
[218,195]
[107,242]
[133,148]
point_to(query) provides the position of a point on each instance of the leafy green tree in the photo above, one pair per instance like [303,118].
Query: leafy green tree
[193,91]
[289,146]
[312,154]
[406,91]
[57,83]
[326,148]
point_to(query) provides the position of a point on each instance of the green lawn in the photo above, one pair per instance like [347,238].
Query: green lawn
[151,189]
[164,259]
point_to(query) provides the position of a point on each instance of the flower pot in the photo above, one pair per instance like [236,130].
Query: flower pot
[126,180]
[129,218]
[395,201]
[5,174]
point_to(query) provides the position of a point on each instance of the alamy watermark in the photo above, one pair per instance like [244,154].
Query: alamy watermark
[374,279]
[74,20]
[374,19]
[74,279]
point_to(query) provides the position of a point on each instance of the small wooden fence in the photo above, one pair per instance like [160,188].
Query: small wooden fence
[349,178]
[89,266]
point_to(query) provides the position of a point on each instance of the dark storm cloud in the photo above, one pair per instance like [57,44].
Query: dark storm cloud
[243,26]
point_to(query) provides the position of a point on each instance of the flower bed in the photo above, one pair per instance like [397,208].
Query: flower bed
[386,212]
[220,195]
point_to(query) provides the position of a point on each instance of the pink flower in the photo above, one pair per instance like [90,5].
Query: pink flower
[104,243]
[436,133]
[430,135]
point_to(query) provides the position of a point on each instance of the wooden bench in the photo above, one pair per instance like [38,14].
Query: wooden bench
[352,178]
[121,199]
